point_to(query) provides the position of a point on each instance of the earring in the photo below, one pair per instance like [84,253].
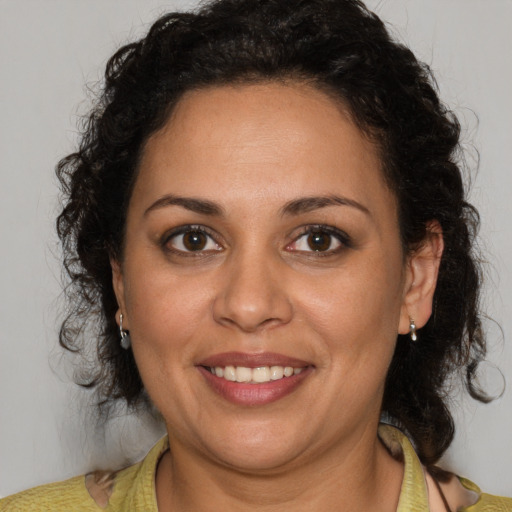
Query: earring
[412,332]
[125,336]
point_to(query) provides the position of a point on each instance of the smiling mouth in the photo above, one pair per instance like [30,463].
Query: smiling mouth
[254,379]
[258,375]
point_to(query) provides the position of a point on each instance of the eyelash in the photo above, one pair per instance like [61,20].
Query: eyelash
[340,236]
[182,230]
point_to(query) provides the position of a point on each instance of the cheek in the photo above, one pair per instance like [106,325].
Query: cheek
[166,312]
[356,312]
[168,316]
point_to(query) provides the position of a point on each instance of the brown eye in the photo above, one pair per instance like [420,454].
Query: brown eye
[319,241]
[191,239]
[194,240]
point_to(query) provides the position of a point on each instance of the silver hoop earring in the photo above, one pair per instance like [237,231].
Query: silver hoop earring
[126,342]
[412,332]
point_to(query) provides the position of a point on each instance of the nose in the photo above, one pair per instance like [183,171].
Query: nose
[253,294]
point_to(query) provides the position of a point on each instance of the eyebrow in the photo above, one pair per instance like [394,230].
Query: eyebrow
[294,207]
[308,204]
[201,206]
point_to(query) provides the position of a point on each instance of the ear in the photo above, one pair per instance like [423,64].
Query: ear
[118,285]
[422,269]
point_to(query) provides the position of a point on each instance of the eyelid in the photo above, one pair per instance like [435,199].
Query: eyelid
[187,228]
[341,236]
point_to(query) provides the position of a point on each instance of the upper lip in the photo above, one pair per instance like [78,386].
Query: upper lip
[254,360]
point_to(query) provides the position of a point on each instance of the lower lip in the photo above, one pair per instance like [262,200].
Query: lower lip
[241,393]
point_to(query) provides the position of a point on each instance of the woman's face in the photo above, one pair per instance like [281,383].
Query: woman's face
[260,237]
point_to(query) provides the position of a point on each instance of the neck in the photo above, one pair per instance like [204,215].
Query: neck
[359,474]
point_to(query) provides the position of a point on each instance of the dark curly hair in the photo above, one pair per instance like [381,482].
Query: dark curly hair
[345,50]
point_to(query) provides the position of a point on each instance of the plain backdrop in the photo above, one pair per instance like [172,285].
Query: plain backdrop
[49,50]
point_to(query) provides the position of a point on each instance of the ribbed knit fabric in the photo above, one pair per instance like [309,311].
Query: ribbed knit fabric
[134,490]
[134,487]
[414,496]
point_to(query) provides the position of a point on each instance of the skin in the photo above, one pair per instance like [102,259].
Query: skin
[259,287]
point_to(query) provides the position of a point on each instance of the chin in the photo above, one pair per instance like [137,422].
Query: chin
[262,449]
[257,460]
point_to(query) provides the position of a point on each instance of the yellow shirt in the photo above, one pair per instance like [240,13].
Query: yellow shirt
[133,488]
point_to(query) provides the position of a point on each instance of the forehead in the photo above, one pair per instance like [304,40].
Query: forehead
[269,138]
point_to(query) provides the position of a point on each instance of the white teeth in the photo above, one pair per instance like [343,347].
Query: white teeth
[229,373]
[288,371]
[276,372]
[254,375]
[261,374]
[243,374]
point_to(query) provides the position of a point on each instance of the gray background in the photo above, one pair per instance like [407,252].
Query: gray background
[48,50]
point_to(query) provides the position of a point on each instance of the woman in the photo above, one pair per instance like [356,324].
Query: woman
[267,209]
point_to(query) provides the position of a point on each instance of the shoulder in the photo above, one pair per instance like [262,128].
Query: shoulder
[463,495]
[129,489]
[486,502]
[92,492]
[420,487]
[67,495]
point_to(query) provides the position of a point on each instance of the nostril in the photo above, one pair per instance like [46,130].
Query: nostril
[248,324]
[253,296]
